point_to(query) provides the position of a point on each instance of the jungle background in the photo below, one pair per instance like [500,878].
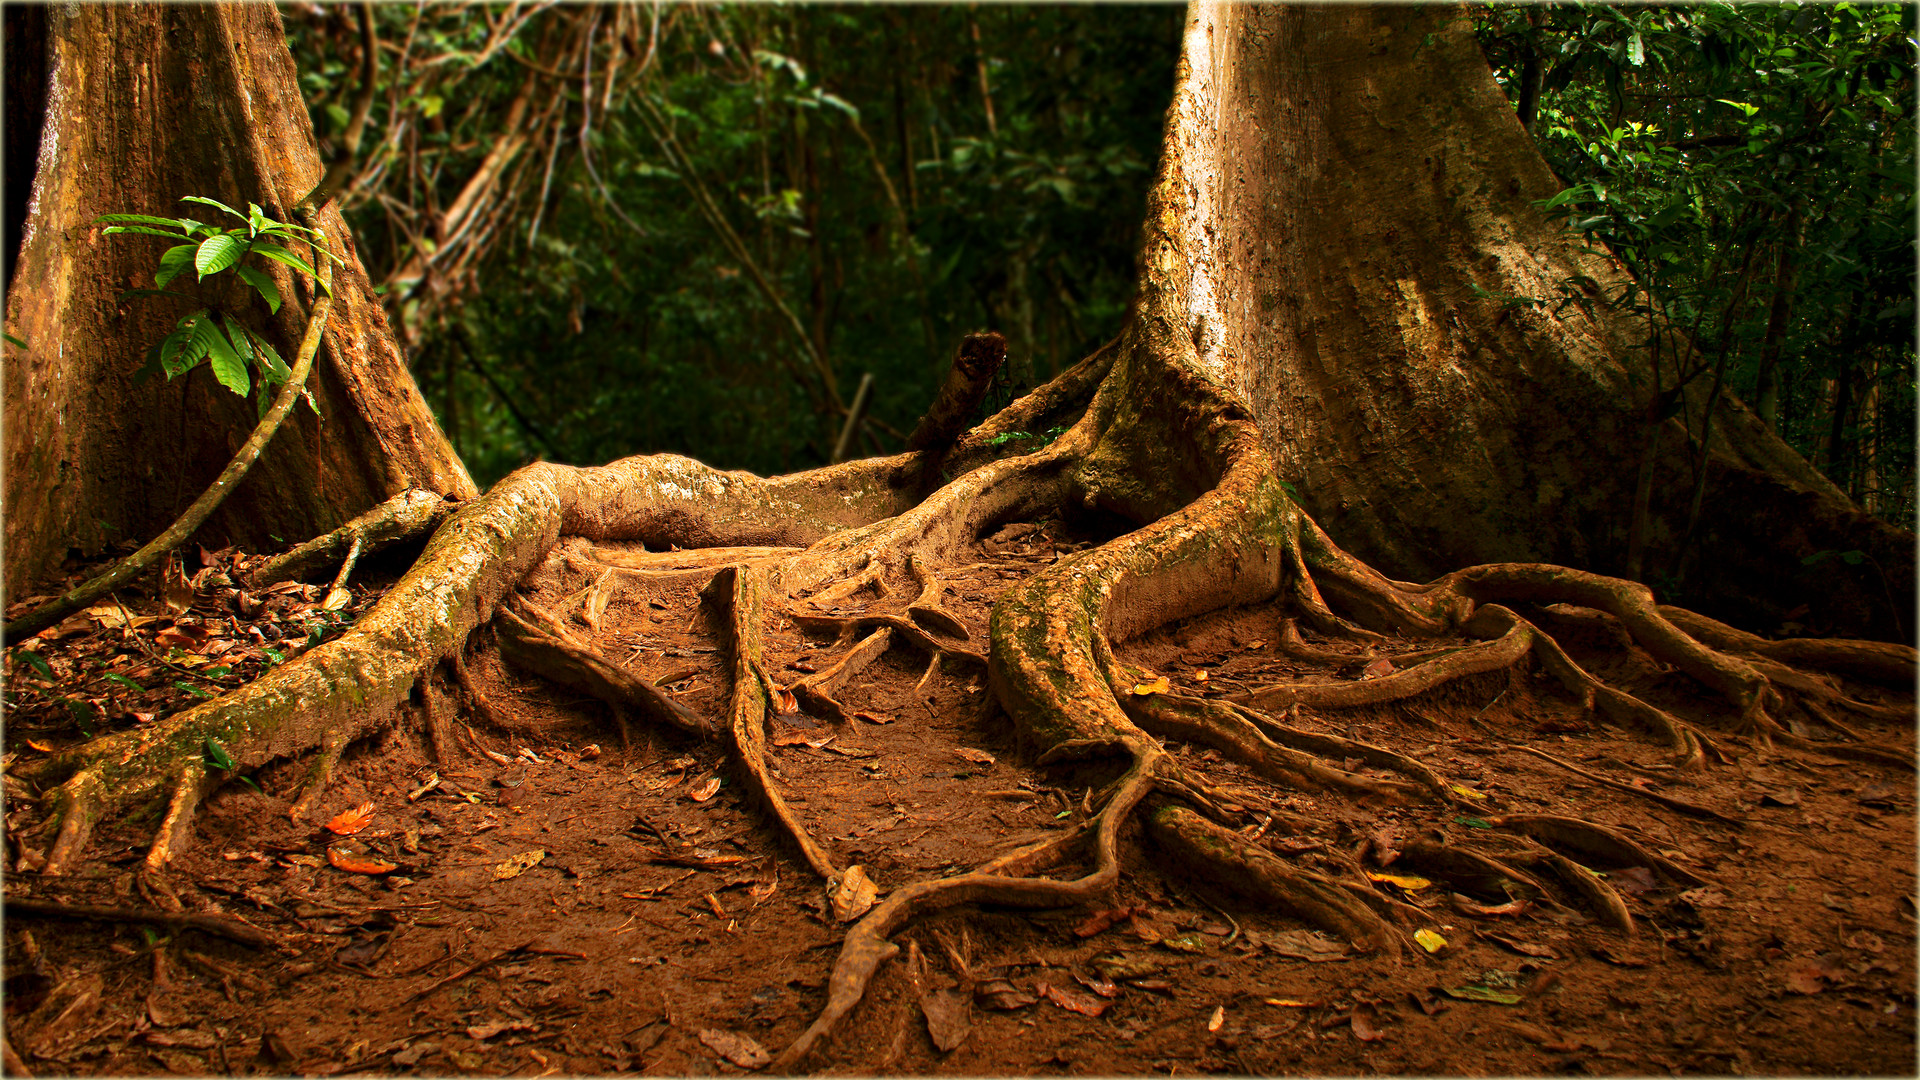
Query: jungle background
[589,221]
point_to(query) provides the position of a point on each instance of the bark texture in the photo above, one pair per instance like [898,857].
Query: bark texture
[144,104]
[1350,182]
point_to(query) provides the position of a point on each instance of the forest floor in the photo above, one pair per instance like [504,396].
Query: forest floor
[555,903]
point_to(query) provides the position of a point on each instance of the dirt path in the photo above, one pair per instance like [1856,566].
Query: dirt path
[556,903]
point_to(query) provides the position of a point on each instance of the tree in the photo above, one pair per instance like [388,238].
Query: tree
[93,456]
[1330,175]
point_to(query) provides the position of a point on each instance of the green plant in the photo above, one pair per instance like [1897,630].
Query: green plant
[212,334]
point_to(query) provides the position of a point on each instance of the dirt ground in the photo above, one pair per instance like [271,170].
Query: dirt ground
[554,902]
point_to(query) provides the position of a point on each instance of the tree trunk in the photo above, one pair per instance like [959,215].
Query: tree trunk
[1352,188]
[145,104]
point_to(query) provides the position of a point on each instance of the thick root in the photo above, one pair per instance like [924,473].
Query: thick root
[1222,856]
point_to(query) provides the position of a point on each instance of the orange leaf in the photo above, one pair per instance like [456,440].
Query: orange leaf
[706,790]
[354,865]
[352,821]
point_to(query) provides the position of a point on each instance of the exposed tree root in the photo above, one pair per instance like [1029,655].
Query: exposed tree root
[1158,446]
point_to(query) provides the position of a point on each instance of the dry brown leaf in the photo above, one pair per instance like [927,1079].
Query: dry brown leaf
[1218,1018]
[1100,920]
[949,1018]
[735,1047]
[1071,1000]
[873,718]
[852,894]
[1003,995]
[174,588]
[354,864]
[706,789]
[978,757]
[1375,670]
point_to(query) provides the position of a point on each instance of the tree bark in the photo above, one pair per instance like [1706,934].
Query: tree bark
[90,457]
[1351,185]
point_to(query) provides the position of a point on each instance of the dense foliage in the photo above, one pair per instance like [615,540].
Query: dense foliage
[1754,166]
[617,230]
[613,230]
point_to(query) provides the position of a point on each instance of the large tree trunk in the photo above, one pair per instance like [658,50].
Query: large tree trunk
[145,104]
[1352,187]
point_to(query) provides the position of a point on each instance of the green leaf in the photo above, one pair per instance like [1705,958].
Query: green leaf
[217,755]
[35,662]
[217,252]
[273,369]
[114,676]
[263,284]
[182,684]
[280,254]
[145,219]
[174,348]
[215,203]
[216,671]
[140,229]
[228,367]
[172,262]
[11,340]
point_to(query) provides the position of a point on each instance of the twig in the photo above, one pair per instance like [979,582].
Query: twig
[230,928]
[1664,800]
[468,970]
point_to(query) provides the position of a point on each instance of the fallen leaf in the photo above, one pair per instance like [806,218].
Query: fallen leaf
[1429,940]
[852,894]
[949,1018]
[1003,995]
[1524,948]
[873,718]
[1157,686]
[1635,880]
[1306,945]
[735,1047]
[1375,670]
[336,599]
[1786,797]
[1186,943]
[412,1054]
[1481,993]
[1072,1001]
[1218,1018]
[183,636]
[978,757]
[1125,966]
[497,757]
[353,864]
[1408,882]
[1293,1003]
[483,1032]
[352,821]
[174,589]
[1362,1022]
[1811,977]
[1467,791]
[189,1039]
[705,790]
[518,864]
[832,747]
[63,1017]
[1470,906]
[1101,920]
[1105,988]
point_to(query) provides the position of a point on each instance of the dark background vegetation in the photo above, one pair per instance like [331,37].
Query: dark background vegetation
[616,230]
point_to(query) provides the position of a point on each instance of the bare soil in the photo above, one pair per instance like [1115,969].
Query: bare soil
[554,902]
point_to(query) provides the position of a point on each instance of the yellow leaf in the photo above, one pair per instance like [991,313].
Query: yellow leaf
[1468,792]
[1405,881]
[518,865]
[852,894]
[1293,1003]
[1157,686]
[1429,940]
